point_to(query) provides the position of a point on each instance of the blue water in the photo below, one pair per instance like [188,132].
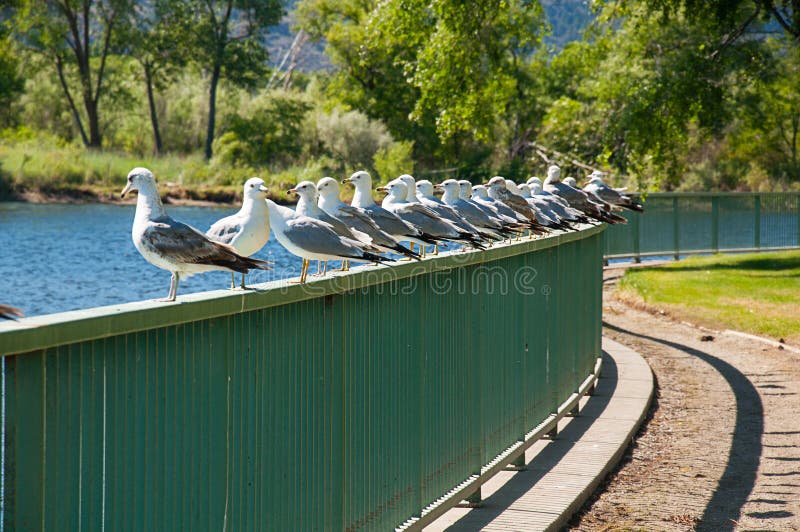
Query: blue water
[55,258]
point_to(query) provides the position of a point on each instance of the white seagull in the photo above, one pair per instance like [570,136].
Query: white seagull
[175,246]
[247,231]
[312,239]
[357,219]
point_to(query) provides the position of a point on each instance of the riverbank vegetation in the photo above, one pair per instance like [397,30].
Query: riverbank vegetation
[755,293]
[683,95]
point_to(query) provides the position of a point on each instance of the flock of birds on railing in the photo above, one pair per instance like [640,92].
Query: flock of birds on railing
[324,228]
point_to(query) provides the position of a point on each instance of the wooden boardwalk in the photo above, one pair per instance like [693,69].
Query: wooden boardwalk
[562,473]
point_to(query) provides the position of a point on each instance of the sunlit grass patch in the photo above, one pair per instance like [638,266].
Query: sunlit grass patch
[756,293]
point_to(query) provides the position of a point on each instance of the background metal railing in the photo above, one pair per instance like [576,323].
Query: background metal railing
[353,402]
[684,223]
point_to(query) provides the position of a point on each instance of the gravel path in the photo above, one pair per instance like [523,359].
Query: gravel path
[721,450]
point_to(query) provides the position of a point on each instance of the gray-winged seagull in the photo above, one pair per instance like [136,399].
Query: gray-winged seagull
[174,246]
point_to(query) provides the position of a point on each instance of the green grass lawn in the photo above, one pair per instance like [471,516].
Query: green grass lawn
[755,293]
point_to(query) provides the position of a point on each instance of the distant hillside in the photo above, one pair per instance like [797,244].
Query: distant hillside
[567,18]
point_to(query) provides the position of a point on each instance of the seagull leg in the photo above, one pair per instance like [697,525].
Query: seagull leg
[411,247]
[243,285]
[304,270]
[345,266]
[435,250]
[173,289]
[233,281]
[322,268]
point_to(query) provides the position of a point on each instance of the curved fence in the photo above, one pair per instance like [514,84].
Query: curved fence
[358,401]
[684,223]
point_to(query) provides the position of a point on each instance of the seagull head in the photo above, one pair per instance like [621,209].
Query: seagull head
[450,187]
[534,179]
[553,173]
[140,179]
[535,187]
[512,187]
[465,189]
[525,190]
[328,187]
[306,190]
[596,177]
[570,181]
[255,188]
[425,187]
[497,182]
[396,190]
[360,179]
[479,191]
[411,186]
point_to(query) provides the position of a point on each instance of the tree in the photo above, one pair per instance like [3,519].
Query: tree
[228,43]
[77,38]
[445,71]
[159,38]
[11,83]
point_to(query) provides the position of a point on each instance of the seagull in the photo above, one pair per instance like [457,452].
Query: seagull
[10,313]
[357,219]
[387,221]
[557,203]
[174,246]
[438,206]
[543,208]
[247,231]
[610,195]
[424,218]
[496,189]
[472,213]
[578,198]
[307,206]
[312,239]
[570,181]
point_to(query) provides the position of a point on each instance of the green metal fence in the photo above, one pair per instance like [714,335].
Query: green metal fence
[684,223]
[353,402]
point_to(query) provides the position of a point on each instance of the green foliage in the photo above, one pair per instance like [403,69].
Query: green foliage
[351,138]
[393,160]
[269,134]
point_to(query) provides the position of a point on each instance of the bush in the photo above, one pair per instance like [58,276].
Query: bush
[351,137]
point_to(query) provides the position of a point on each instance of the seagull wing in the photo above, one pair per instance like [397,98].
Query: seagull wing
[183,243]
[226,229]
[318,237]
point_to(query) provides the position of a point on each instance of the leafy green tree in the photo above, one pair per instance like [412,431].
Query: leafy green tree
[159,38]
[11,82]
[228,43]
[440,73]
[76,37]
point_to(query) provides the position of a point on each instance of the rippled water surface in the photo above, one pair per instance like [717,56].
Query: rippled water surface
[66,257]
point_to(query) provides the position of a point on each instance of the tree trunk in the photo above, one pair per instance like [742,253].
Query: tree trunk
[95,139]
[212,109]
[159,148]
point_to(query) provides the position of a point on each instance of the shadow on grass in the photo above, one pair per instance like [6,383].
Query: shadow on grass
[739,477]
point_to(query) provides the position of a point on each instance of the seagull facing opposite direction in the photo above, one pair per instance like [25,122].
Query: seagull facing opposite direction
[247,231]
[172,245]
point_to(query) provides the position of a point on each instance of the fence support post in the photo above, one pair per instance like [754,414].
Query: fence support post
[675,228]
[757,221]
[636,238]
[798,220]
[715,224]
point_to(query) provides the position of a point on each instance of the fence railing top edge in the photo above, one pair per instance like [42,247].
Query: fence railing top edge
[42,332]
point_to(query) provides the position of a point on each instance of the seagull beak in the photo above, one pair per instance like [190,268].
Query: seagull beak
[438,187]
[347,180]
[263,189]
[125,190]
[382,189]
[292,191]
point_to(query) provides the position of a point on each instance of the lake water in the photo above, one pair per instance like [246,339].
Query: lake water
[55,258]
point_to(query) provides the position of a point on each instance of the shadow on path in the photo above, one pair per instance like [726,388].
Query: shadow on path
[739,477]
[501,500]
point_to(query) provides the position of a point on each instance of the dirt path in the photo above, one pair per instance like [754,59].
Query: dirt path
[722,449]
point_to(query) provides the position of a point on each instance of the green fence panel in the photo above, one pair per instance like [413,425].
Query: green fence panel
[352,402]
[680,223]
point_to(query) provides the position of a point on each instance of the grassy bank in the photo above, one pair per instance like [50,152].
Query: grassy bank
[46,172]
[755,293]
